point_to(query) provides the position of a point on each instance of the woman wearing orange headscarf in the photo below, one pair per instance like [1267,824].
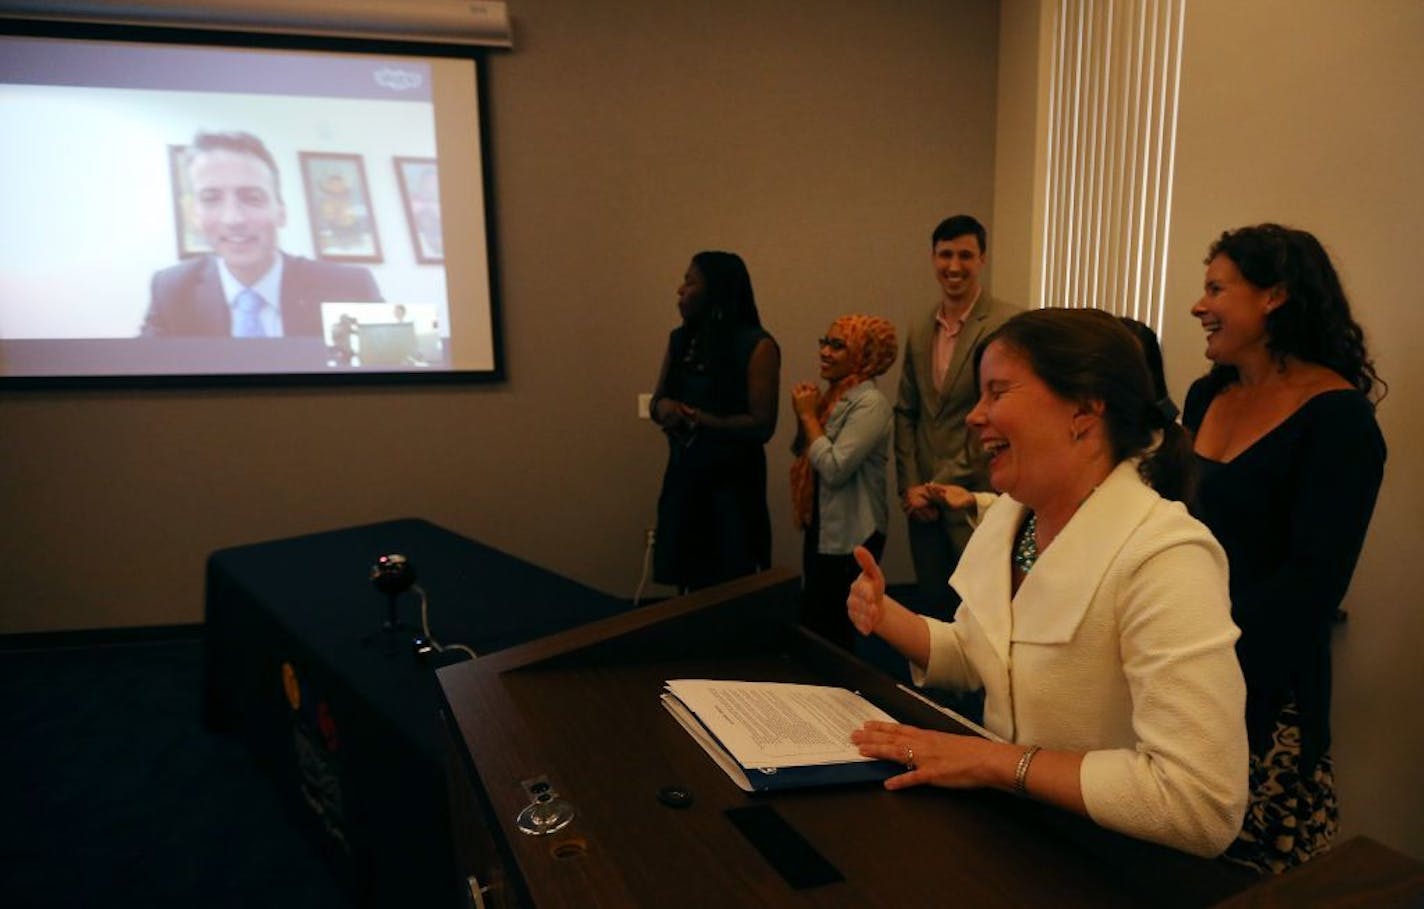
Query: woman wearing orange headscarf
[838,478]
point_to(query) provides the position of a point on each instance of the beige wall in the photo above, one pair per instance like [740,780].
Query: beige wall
[1019,167]
[823,143]
[1311,113]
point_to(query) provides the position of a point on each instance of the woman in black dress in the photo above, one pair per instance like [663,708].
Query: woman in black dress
[716,399]
[1290,460]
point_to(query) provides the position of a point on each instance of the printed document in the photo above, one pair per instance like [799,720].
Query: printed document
[775,724]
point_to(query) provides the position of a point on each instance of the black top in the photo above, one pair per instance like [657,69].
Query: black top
[709,371]
[713,521]
[1291,512]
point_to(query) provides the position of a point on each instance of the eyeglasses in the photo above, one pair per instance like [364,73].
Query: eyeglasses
[832,343]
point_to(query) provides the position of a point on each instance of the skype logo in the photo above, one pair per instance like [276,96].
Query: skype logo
[398,80]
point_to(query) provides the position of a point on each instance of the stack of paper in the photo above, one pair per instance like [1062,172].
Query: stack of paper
[773,735]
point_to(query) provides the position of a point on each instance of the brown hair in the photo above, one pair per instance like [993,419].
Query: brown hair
[1089,355]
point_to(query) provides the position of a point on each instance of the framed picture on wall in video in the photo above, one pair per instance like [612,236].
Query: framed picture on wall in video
[191,241]
[343,226]
[419,181]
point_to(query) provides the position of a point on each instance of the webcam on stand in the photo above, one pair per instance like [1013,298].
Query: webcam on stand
[393,575]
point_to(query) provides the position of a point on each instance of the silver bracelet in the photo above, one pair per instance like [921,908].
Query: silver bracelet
[1021,771]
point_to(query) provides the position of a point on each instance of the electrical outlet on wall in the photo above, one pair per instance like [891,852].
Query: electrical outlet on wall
[645,401]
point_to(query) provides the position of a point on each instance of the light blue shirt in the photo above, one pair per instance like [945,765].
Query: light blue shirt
[849,461]
[269,287]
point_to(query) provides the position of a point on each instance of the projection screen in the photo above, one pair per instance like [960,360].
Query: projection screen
[185,206]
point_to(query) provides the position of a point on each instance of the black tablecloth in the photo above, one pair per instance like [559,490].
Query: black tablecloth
[343,714]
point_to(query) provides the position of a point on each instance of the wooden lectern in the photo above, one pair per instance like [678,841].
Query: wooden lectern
[579,712]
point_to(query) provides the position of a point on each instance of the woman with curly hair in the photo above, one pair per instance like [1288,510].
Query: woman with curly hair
[838,478]
[1290,461]
[716,400]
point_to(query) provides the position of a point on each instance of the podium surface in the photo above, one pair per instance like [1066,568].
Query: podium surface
[581,711]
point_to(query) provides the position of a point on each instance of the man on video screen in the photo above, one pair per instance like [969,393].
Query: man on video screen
[248,288]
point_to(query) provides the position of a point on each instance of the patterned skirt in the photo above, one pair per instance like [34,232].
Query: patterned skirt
[1290,817]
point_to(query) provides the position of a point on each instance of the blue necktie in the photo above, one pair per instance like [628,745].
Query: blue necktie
[247,321]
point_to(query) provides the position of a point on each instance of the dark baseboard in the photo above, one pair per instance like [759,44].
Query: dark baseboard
[99,637]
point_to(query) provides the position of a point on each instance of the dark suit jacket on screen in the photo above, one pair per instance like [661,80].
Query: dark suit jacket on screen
[187,298]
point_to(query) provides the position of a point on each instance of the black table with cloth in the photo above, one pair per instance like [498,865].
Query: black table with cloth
[342,714]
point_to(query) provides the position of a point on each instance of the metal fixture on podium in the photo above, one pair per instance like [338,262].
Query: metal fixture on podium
[546,813]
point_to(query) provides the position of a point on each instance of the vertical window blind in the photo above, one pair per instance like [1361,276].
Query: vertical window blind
[1112,122]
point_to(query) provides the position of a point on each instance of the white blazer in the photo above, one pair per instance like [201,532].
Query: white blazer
[1119,645]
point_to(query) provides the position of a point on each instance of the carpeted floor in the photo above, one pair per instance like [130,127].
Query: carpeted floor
[114,794]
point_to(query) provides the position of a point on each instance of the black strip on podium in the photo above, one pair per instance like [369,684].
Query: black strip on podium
[789,853]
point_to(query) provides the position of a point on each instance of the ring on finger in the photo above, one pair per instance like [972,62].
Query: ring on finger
[909,757]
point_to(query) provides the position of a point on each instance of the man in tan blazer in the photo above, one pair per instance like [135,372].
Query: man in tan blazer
[936,394]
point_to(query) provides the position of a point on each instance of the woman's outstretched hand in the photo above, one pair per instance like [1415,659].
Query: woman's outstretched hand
[956,498]
[866,603]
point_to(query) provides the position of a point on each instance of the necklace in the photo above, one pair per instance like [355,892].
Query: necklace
[1026,546]
[1026,543]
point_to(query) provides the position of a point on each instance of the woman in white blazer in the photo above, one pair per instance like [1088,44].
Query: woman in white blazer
[1095,613]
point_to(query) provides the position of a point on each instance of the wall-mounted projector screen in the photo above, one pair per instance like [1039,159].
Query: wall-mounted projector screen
[187,206]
